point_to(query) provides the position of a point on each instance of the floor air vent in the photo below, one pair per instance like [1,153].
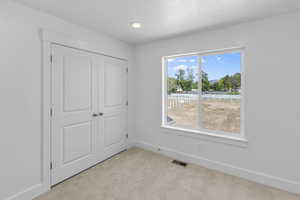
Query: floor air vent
[180,163]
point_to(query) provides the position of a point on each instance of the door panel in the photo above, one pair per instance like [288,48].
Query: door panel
[114,105]
[77,141]
[77,83]
[115,85]
[115,127]
[73,127]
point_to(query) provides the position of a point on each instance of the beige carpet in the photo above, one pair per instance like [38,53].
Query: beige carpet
[142,175]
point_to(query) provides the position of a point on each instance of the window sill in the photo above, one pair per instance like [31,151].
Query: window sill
[238,141]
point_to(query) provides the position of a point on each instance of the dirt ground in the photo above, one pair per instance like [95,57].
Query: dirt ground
[217,115]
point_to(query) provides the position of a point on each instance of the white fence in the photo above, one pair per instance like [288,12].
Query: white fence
[176,100]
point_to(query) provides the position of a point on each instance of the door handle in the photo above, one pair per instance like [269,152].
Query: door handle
[101,114]
[95,115]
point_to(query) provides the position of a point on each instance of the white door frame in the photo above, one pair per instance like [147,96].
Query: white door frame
[49,38]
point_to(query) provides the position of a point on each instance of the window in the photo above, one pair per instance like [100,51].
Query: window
[203,92]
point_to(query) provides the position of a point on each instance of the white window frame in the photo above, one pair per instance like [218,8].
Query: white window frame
[215,135]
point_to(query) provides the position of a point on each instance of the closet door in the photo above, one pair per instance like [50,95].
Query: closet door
[75,118]
[89,120]
[114,105]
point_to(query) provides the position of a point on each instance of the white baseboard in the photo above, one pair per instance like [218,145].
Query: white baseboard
[29,193]
[255,176]
[258,177]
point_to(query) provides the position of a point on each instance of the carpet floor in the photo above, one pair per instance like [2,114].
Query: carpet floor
[137,174]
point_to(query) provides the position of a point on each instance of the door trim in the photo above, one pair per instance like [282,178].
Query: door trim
[48,38]
[74,42]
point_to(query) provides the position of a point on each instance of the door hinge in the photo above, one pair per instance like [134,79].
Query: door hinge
[126,103]
[51,58]
[50,165]
[127,135]
[51,112]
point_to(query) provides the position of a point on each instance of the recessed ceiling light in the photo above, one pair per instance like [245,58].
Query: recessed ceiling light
[136,25]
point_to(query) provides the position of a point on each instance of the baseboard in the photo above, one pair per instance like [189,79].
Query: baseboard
[258,177]
[29,193]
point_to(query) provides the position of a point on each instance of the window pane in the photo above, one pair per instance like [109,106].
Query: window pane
[221,90]
[182,88]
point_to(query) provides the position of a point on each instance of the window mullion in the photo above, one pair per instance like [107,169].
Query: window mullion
[200,105]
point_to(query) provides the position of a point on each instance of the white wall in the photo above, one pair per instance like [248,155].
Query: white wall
[272,109]
[20,89]
[272,99]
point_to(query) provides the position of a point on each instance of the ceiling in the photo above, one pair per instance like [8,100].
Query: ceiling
[159,18]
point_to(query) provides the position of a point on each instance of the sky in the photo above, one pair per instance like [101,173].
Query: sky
[216,66]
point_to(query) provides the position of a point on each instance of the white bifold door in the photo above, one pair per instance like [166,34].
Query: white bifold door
[89,110]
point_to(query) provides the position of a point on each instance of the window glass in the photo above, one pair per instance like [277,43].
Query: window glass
[204,92]
[221,92]
[182,89]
